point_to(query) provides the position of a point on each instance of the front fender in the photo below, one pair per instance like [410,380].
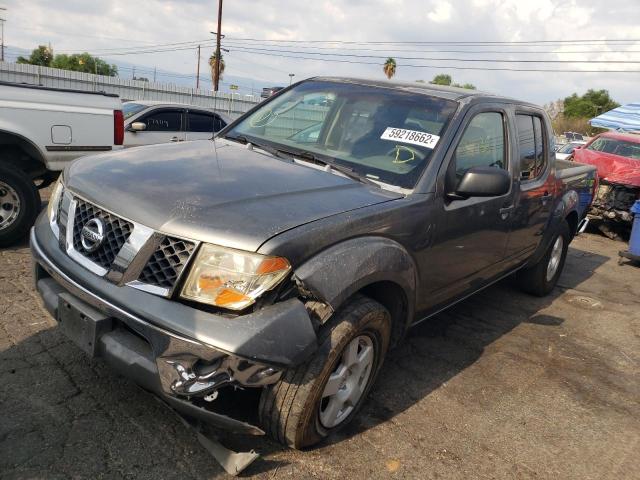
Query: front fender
[338,272]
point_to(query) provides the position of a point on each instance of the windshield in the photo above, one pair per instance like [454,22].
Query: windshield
[616,146]
[379,133]
[568,148]
[129,109]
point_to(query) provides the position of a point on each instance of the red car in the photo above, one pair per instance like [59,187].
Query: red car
[617,158]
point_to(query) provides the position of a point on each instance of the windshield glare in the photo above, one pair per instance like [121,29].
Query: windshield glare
[129,109]
[386,135]
[615,146]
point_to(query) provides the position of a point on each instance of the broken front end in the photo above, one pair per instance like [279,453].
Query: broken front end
[611,208]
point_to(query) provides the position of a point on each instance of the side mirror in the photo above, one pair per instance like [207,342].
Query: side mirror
[138,126]
[483,182]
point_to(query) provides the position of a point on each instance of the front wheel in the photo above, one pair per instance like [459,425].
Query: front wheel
[323,395]
[540,278]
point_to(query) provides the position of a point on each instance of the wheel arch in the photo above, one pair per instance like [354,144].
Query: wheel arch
[20,152]
[573,220]
[377,267]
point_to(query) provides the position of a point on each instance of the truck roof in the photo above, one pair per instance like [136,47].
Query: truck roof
[441,91]
[52,89]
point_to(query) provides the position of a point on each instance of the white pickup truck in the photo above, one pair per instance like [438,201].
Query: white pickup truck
[41,131]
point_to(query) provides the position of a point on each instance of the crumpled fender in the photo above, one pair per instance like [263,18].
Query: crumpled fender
[338,272]
[612,168]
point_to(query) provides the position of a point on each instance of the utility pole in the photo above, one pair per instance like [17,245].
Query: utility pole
[154,74]
[217,72]
[2,20]
[133,75]
[198,70]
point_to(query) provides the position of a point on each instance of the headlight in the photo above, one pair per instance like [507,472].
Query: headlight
[230,278]
[54,200]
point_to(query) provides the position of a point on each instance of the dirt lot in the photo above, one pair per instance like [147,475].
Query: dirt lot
[501,386]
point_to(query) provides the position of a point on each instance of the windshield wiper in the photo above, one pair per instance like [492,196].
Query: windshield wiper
[346,171]
[304,155]
[267,148]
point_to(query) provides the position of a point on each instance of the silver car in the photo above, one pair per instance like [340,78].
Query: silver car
[147,122]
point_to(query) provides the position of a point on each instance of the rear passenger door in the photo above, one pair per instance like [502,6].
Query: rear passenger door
[534,200]
[162,125]
[201,125]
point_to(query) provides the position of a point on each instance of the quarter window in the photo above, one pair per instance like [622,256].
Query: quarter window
[482,144]
[163,121]
[531,146]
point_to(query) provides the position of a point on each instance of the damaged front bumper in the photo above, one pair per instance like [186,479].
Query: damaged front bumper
[182,354]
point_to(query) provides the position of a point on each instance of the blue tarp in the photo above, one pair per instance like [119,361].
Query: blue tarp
[625,118]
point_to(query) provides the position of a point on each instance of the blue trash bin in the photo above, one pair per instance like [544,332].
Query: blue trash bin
[634,240]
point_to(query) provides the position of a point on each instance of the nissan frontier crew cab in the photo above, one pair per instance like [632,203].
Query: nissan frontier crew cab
[279,261]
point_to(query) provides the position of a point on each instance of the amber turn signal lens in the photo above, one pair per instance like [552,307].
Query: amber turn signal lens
[228,297]
[272,264]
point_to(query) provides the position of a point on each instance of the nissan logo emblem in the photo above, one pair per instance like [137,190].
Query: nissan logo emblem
[92,234]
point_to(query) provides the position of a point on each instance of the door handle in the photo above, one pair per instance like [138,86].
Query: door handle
[174,139]
[505,211]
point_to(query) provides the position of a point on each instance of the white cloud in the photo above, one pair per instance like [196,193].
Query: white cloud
[441,13]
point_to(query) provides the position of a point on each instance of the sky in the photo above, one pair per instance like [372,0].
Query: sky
[107,27]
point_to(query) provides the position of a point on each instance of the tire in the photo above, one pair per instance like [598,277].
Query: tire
[293,410]
[537,279]
[19,205]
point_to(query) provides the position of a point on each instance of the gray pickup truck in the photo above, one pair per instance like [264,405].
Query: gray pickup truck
[256,281]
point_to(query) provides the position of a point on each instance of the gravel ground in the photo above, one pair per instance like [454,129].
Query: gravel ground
[503,385]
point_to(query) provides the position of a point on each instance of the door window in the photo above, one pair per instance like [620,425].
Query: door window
[201,122]
[163,121]
[531,146]
[482,144]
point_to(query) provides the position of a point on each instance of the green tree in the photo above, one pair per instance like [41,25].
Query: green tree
[42,56]
[84,62]
[389,67]
[444,79]
[212,66]
[441,79]
[589,105]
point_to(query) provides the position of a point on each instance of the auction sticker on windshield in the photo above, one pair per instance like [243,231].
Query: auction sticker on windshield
[410,136]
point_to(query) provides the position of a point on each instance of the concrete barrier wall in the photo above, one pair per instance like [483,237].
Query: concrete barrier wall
[232,104]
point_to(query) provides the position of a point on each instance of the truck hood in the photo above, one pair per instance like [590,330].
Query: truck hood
[224,193]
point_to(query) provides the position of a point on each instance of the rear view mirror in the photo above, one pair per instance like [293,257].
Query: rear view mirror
[138,126]
[483,182]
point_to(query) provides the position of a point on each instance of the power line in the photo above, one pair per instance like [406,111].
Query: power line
[452,67]
[431,59]
[462,42]
[241,44]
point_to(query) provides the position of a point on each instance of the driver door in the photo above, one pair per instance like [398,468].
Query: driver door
[470,238]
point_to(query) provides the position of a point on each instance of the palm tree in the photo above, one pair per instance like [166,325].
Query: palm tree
[212,64]
[389,67]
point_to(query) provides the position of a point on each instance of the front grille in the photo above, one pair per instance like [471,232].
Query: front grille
[166,263]
[117,231]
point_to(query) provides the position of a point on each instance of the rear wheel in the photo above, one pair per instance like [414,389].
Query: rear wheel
[540,278]
[324,394]
[19,205]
